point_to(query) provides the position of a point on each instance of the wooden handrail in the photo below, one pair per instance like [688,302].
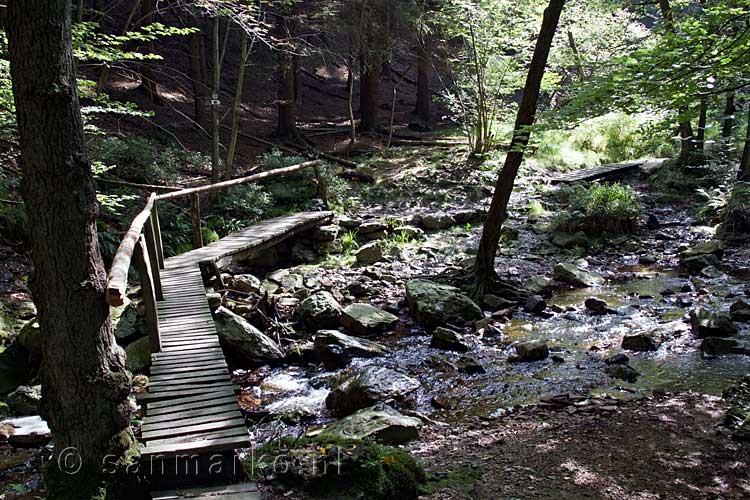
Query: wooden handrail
[117,281]
[241,180]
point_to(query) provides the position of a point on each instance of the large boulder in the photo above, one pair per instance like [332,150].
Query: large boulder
[701,256]
[380,423]
[25,400]
[138,355]
[335,349]
[642,342]
[320,311]
[370,253]
[325,233]
[124,319]
[622,371]
[714,346]
[433,304]
[573,275]
[244,339]
[245,283]
[568,241]
[367,320]
[30,337]
[740,311]
[369,386]
[710,324]
[437,221]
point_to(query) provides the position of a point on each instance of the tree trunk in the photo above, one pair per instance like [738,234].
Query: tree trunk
[104,75]
[728,120]
[149,81]
[84,382]
[576,55]
[236,108]
[369,88]
[199,78]
[485,262]
[422,109]
[215,89]
[286,115]
[744,172]
[700,138]
[687,144]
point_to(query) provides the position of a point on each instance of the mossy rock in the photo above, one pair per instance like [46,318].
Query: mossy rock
[138,355]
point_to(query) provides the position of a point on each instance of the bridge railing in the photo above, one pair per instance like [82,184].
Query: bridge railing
[142,244]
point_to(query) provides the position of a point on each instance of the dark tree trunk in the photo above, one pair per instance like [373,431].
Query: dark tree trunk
[728,120]
[149,80]
[199,78]
[369,88]
[700,138]
[576,55]
[84,382]
[687,144]
[286,123]
[744,173]
[485,262]
[422,109]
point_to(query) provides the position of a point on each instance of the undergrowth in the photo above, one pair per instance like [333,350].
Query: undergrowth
[599,209]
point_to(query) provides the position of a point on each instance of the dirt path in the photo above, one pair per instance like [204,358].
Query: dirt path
[671,448]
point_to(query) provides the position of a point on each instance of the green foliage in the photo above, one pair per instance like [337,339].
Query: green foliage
[276,159]
[735,216]
[109,241]
[600,209]
[343,468]
[209,235]
[142,159]
[239,207]
[176,229]
[349,242]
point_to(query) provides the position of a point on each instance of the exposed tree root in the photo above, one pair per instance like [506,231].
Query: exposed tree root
[466,280]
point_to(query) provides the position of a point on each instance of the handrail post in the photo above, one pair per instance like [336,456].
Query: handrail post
[322,188]
[153,258]
[157,234]
[143,267]
[195,215]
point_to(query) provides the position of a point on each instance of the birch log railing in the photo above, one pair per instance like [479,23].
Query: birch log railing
[142,244]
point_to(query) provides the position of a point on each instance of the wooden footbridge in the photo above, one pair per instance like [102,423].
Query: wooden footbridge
[611,170]
[191,407]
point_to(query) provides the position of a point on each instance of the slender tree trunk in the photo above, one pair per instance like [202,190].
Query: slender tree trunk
[215,89]
[744,172]
[84,382]
[485,262]
[422,109]
[149,81]
[104,75]
[199,78]
[286,115]
[369,88]
[700,138]
[237,104]
[728,120]
[576,55]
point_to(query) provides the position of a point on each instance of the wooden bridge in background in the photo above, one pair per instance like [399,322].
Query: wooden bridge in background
[611,170]
[191,404]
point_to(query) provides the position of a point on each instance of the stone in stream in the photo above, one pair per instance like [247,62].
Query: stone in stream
[539,285]
[710,247]
[437,221]
[361,286]
[740,311]
[138,355]
[623,372]
[243,339]
[568,241]
[572,275]
[494,302]
[597,306]
[697,263]
[535,304]
[617,359]
[335,349]
[26,432]
[714,346]
[469,366]
[371,385]
[214,300]
[380,423]
[320,311]
[370,253]
[641,342]
[530,350]
[710,324]
[434,304]
[367,320]
[444,338]
[245,283]
[25,400]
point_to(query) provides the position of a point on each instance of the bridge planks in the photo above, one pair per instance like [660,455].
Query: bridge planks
[191,403]
[605,171]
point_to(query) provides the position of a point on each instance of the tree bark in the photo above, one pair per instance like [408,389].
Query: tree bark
[744,172]
[286,119]
[422,109]
[728,120]
[149,81]
[84,382]
[215,89]
[700,138]
[484,268]
[199,78]
[576,55]
[236,107]
[369,87]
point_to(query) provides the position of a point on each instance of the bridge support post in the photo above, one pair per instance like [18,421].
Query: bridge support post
[322,188]
[195,215]
[143,267]
[153,257]
[157,234]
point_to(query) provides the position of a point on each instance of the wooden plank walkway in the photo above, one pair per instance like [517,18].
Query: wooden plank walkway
[191,403]
[604,171]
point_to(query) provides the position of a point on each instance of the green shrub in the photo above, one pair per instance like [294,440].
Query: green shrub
[599,209]
[276,159]
[332,467]
[209,235]
[142,159]
[735,216]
